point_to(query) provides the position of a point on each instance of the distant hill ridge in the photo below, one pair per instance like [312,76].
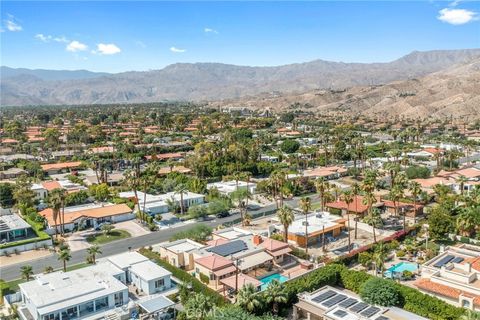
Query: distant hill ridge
[213,81]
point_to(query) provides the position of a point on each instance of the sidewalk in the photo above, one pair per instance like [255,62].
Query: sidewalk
[24,256]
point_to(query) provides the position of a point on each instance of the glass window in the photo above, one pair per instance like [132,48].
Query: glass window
[70,313]
[86,308]
[159,283]
[101,304]
[118,299]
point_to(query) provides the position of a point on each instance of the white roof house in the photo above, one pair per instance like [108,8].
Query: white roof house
[149,270]
[316,223]
[159,203]
[127,259]
[227,187]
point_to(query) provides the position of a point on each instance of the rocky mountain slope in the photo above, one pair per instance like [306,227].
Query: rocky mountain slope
[451,92]
[213,81]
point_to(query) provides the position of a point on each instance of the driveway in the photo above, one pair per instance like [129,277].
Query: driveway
[132,227]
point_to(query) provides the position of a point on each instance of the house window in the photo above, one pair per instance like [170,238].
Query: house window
[465,304]
[70,313]
[159,283]
[118,299]
[101,303]
[52,316]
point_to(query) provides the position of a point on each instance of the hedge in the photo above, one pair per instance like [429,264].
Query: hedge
[185,277]
[339,275]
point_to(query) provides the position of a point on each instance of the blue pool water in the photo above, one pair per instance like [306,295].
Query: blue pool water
[399,268]
[276,276]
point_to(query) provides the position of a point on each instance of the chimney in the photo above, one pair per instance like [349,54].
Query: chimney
[257,239]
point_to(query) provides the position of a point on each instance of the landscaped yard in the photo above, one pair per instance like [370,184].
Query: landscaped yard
[102,238]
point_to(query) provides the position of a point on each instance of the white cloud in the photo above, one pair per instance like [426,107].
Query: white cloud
[457,16]
[177,50]
[210,30]
[454,3]
[107,49]
[76,46]
[12,25]
[47,38]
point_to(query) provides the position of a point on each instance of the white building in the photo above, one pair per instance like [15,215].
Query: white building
[155,204]
[94,292]
[227,187]
[43,188]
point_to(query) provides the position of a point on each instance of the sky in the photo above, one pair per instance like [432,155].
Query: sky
[121,36]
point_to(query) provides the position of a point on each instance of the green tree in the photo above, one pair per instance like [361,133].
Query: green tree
[64,255]
[6,195]
[26,272]
[93,251]
[198,306]
[286,217]
[440,223]
[275,295]
[107,229]
[380,292]
[248,298]
[290,146]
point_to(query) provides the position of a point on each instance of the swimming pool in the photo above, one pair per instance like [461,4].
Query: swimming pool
[399,268]
[276,276]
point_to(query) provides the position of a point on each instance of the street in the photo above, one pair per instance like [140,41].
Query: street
[12,272]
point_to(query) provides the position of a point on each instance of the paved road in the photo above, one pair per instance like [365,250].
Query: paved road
[12,272]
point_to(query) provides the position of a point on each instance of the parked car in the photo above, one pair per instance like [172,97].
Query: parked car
[223,214]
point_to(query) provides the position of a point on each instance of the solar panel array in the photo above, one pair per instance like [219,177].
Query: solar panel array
[457,260]
[443,261]
[334,300]
[331,299]
[229,248]
[370,312]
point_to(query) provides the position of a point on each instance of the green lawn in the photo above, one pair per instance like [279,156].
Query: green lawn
[102,238]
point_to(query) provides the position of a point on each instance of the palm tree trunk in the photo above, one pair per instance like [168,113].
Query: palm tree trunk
[64,265]
[306,233]
[285,233]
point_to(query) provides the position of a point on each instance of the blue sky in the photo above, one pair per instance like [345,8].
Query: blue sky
[121,36]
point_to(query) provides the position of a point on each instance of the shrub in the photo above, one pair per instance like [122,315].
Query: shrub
[353,280]
[380,292]
[407,275]
[199,232]
[400,253]
[464,240]
[204,278]
[299,253]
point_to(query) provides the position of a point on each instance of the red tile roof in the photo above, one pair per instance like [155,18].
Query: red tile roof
[443,290]
[62,165]
[100,212]
[273,245]
[356,206]
[51,185]
[214,262]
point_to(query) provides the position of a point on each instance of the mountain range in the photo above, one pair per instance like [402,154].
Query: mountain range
[215,81]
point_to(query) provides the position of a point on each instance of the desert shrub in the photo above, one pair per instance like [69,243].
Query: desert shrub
[380,292]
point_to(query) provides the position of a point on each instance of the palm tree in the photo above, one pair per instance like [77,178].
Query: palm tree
[379,256]
[369,185]
[275,295]
[467,221]
[355,194]
[286,217]
[348,198]
[198,306]
[48,269]
[306,206]
[248,298]
[322,187]
[461,180]
[65,256]
[132,181]
[471,315]
[374,219]
[93,251]
[181,189]
[26,272]
[55,203]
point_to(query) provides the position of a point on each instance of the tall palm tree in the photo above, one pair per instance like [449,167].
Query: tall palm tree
[348,198]
[93,251]
[306,206]
[132,181]
[55,203]
[26,272]
[322,187]
[275,295]
[355,194]
[369,185]
[64,255]
[467,221]
[379,256]
[181,189]
[248,298]
[286,217]
[461,180]
[374,219]
[198,306]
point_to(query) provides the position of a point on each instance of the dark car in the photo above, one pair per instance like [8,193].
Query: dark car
[223,214]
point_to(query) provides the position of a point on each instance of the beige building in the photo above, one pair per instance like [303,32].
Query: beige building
[453,276]
[179,253]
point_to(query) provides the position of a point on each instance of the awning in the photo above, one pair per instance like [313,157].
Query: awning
[225,271]
[254,260]
[280,252]
[243,280]
[156,304]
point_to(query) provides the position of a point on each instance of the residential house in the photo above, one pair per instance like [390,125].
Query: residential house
[179,253]
[53,168]
[11,173]
[227,187]
[453,276]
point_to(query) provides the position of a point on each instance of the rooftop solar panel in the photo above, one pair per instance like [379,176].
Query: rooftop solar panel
[382,318]
[370,311]
[324,296]
[457,260]
[359,307]
[443,261]
[334,300]
[347,303]
[229,248]
[340,313]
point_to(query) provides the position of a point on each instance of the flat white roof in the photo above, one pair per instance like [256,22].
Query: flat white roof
[161,198]
[55,291]
[149,270]
[9,222]
[316,223]
[232,233]
[183,245]
[127,259]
